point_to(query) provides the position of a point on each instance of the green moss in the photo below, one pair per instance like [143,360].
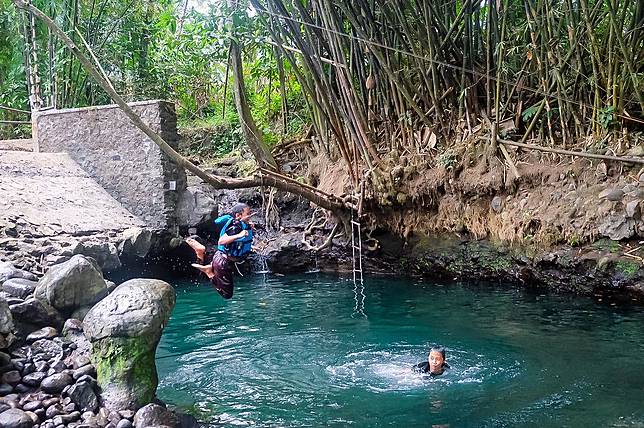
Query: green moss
[606,244]
[629,269]
[128,363]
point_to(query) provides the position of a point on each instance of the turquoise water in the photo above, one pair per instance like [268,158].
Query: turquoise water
[312,351]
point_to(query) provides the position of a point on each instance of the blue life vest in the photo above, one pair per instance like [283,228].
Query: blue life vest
[241,246]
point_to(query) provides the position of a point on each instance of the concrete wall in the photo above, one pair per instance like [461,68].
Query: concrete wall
[121,158]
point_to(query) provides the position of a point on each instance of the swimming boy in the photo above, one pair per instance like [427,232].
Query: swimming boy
[234,245]
[435,364]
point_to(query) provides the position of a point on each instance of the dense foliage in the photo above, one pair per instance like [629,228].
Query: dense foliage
[150,49]
[372,77]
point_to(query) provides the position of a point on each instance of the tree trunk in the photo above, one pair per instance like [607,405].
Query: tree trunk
[252,134]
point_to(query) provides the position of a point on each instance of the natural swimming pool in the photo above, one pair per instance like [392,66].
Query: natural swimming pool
[312,351]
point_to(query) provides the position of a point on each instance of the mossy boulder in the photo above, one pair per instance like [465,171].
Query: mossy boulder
[124,329]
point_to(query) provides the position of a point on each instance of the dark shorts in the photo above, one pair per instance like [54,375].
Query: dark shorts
[222,267]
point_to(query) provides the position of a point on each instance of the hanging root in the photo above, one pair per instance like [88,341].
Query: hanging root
[271,212]
[326,244]
[318,222]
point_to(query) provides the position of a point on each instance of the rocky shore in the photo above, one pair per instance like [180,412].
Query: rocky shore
[78,351]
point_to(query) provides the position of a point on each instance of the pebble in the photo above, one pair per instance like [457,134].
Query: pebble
[56,383]
[50,401]
[31,406]
[85,370]
[22,388]
[43,333]
[53,411]
[5,389]
[124,423]
[34,379]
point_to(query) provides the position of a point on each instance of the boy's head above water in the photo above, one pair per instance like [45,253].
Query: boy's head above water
[436,360]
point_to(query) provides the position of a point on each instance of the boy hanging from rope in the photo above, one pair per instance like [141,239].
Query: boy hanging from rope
[234,245]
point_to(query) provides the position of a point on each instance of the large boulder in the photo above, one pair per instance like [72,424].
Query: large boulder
[6,325]
[195,206]
[124,329]
[72,284]
[135,241]
[105,253]
[8,271]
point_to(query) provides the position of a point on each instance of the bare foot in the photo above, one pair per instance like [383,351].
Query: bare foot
[200,250]
[204,269]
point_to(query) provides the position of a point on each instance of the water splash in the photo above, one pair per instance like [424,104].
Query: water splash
[262,264]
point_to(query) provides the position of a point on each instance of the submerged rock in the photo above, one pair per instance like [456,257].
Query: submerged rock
[124,329]
[73,284]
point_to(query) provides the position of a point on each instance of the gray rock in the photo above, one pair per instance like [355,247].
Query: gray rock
[46,349]
[124,329]
[56,383]
[54,410]
[124,423]
[81,312]
[154,415]
[84,396]
[12,377]
[195,205]
[617,227]
[135,241]
[32,416]
[127,414]
[21,388]
[43,333]
[5,389]
[73,284]
[5,362]
[88,370]
[15,418]
[72,325]
[8,271]
[633,209]
[104,253]
[34,379]
[19,287]
[6,325]
[610,194]
[32,405]
[37,313]
[138,307]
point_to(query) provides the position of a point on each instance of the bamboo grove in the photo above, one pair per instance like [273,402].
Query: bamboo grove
[417,76]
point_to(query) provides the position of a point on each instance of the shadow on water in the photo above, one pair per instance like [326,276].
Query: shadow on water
[301,351]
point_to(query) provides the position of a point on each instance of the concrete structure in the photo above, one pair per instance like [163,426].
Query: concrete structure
[49,195]
[122,160]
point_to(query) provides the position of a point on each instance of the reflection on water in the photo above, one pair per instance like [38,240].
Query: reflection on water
[291,351]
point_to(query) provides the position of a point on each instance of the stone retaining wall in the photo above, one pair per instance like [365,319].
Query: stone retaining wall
[121,158]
